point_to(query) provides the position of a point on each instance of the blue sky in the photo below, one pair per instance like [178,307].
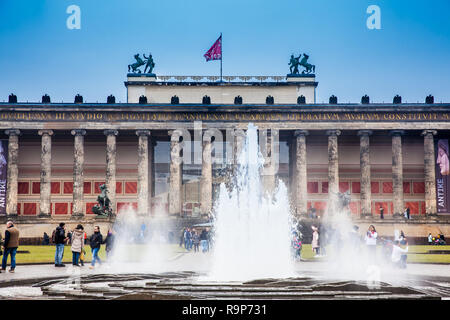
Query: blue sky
[409,56]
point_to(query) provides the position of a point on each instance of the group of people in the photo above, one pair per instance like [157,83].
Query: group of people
[395,250]
[438,240]
[191,238]
[406,213]
[77,240]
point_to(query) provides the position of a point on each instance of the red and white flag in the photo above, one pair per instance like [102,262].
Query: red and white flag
[215,52]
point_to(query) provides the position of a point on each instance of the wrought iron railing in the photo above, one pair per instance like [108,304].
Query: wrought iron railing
[224,78]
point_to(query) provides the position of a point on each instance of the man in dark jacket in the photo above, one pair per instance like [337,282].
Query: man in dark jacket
[60,240]
[10,246]
[95,243]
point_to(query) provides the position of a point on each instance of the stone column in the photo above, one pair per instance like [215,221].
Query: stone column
[268,151]
[292,143]
[110,178]
[430,173]
[78,178]
[13,172]
[143,173]
[176,173]
[364,160]
[46,172]
[300,169]
[397,171]
[206,179]
[151,173]
[333,169]
[238,144]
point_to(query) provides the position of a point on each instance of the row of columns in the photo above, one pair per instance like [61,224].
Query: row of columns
[145,173]
[300,171]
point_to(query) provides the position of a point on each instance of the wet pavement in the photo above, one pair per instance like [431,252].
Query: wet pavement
[184,276]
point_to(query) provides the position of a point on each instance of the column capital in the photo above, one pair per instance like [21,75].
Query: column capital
[365,133]
[298,133]
[175,135]
[12,132]
[397,133]
[110,132]
[333,132]
[207,136]
[45,132]
[143,133]
[427,132]
[78,132]
[238,132]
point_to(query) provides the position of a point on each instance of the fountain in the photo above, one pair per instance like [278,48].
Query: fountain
[252,229]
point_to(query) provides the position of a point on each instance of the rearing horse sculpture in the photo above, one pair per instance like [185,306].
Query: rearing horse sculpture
[309,67]
[137,64]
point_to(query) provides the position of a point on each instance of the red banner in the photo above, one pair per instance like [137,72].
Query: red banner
[215,52]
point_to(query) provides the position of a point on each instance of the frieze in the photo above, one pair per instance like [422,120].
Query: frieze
[114,116]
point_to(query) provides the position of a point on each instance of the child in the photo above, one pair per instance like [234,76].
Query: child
[315,241]
[82,255]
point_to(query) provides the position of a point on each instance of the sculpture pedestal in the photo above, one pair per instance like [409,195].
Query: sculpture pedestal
[302,77]
[141,77]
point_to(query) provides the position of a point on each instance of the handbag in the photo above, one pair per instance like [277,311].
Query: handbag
[82,255]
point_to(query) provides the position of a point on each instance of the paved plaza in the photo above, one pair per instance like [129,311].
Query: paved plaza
[27,281]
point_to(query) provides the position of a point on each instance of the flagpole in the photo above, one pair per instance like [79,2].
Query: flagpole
[221,55]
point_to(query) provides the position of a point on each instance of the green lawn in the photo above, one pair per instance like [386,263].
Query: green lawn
[46,254]
[415,254]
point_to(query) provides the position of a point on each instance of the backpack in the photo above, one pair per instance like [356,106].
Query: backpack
[53,236]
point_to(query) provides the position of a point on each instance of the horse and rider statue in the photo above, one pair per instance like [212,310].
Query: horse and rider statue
[148,62]
[295,62]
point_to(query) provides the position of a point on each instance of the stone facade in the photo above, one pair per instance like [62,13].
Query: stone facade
[59,154]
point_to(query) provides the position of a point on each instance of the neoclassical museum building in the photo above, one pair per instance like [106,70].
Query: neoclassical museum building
[55,156]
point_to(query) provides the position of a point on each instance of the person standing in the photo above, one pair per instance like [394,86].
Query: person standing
[60,240]
[77,244]
[403,243]
[10,246]
[315,241]
[187,239]
[95,241]
[430,239]
[296,246]
[381,213]
[45,239]
[182,236]
[196,241]
[204,240]
[397,255]
[406,213]
[109,241]
[371,242]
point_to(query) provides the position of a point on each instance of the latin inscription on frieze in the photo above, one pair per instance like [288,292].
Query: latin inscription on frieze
[223,116]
